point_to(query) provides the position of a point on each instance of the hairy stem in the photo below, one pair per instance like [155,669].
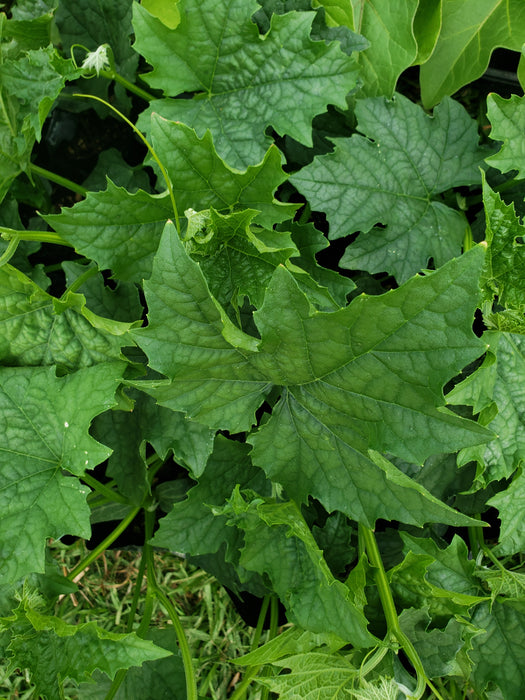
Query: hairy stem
[38,236]
[113,75]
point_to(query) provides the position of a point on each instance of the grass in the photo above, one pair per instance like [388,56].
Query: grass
[215,631]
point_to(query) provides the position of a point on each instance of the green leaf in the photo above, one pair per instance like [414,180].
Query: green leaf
[370,350]
[92,23]
[497,383]
[499,654]
[30,83]
[510,504]
[38,329]
[437,648]
[117,229]
[191,525]
[508,121]
[54,650]
[160,679]
[402,171]
[45,425]
[470,32]
[165,10]
[127,433]
[427,27]
[243,82]
[389,29]
[315,600]
[510,584]
[201,179]
[504,273]
[319,675]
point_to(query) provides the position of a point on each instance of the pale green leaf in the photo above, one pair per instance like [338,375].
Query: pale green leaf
[499,654]
[404,162]
[165,10]
[37,329]
[510,584]
[508,122]
[315,600]
[469,33]
[389,29]
[45,425]
[117,229]
[243,82]
[54,650]
[427,27]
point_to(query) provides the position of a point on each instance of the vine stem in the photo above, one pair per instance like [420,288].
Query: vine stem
[389,608]
[113,75]
[148,146]
[191,683]
[104,544]
[38,236]
[58,179]
[109,494]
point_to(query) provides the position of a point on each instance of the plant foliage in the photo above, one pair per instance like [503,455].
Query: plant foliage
[287,339]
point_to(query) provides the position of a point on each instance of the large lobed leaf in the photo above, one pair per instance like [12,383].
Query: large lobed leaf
[44,422]
[242,82]
[393,176]
[351,380]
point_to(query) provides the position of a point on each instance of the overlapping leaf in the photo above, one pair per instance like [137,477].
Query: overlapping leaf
[499,653]
[469,33]
[54,650]
[201,179]
[510,504]
[317,441]
[44,422]
[38,329]
[497,390]
[30,83]
[394,177]
[242,82]
[277,532]
[508,121]
[117,229]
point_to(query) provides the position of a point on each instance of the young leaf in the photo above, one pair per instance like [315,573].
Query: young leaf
[45,426]
[117,229]
[469,33]
[242,82]
[54,650]
[38,329]
[315,600]
[405,161]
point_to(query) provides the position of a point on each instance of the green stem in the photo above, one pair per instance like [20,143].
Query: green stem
[468,241]
[9,251]
[58,179]
[260,622]
[148,146]
[103,489]
[113,75]
[191,683]
[80,280]
[38,236]
[389,608]
[104,544]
